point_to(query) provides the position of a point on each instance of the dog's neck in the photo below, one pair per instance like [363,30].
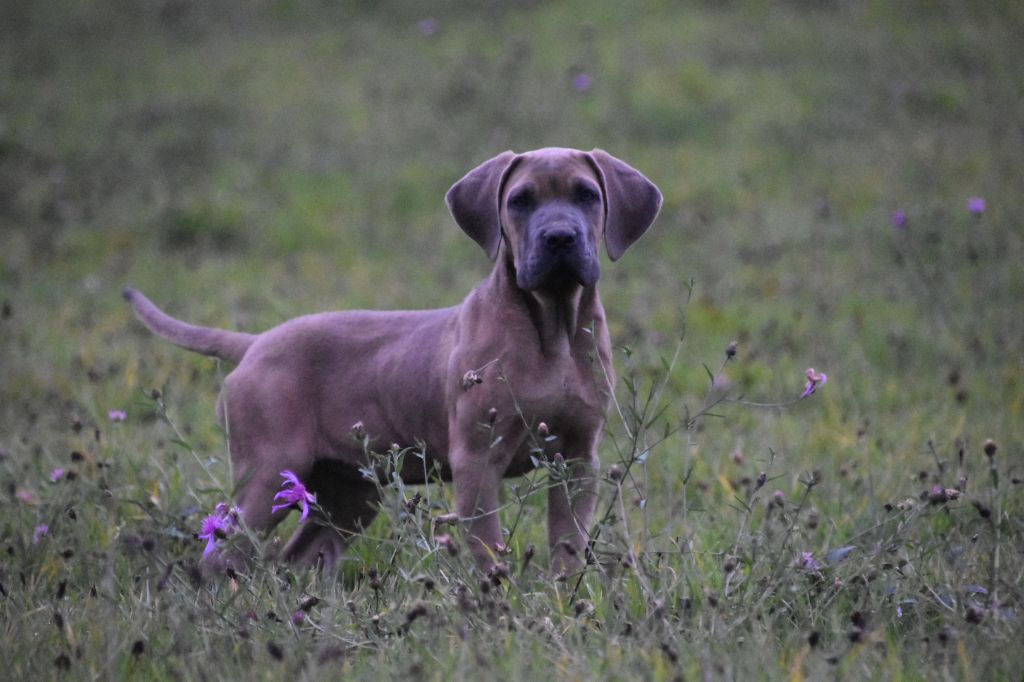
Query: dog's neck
[557,315]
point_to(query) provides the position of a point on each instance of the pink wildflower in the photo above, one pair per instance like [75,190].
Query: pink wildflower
[976,206]
[427,27]
[814,380]
[293,493]
[899,219]
[41,530]
[582,82]
[57,474]
[117,415]
[216,526]
[807,562]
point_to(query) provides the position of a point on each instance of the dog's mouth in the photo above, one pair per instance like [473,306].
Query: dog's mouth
[558,270]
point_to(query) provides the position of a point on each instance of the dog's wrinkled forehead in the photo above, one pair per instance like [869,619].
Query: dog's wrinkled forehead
[550,173]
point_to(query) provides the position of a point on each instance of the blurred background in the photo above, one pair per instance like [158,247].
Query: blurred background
[243,163]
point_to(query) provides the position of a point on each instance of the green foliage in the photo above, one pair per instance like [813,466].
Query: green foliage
[245,165]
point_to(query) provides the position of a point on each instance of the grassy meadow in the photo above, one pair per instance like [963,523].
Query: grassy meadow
[243,163]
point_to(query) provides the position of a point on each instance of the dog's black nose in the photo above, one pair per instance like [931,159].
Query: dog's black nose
[560,238]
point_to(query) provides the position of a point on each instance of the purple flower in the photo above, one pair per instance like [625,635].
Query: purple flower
[899,219]
[57,474]
[814,380]
[807,562]
[293,493]
[427,27]
[976,205]
[117,415]
[217,526]
[582,82]
[41,530]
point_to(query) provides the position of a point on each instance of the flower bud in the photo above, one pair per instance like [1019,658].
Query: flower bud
[615,473]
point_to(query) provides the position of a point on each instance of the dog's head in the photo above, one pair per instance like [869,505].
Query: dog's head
[551,208]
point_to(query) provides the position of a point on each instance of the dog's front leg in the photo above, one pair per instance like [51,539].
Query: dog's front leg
[477,480]
[571,505]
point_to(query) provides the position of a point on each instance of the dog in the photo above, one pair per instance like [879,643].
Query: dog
[522,364]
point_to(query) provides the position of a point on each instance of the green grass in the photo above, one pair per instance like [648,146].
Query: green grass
[245,166]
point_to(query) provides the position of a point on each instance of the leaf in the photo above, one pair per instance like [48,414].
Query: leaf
[711,375]
[837,555]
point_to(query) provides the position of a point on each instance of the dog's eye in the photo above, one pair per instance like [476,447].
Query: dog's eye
[585,195]
[520,201]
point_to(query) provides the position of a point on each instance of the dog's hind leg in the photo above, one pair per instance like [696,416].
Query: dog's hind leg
[349,506]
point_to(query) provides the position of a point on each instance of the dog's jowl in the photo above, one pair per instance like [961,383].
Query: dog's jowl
[472,382]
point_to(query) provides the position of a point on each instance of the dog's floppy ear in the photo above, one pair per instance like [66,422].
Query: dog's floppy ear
[474,202]
[631,201]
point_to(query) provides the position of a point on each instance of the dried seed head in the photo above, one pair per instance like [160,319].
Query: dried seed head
[729,564]
[983,510]
[974,614]
[498,573]
[418,610]
[470,379]
[762,478]
[730,350]
[737,457]
[990,448]
[446,543]
[779,498]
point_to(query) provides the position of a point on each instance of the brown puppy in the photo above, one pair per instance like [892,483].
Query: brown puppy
[471,383]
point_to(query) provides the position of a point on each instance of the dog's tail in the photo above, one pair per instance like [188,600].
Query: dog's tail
[221,343]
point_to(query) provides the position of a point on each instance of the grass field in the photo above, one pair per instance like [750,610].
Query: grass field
[245,165]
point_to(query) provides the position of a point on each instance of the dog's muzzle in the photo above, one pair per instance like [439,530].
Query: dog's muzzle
[557,255]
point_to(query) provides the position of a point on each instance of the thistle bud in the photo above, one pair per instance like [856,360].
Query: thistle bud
[542,430]
[470,379]
[730,350]
[990,448]
[615,473]
[492,415]
[359,431]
